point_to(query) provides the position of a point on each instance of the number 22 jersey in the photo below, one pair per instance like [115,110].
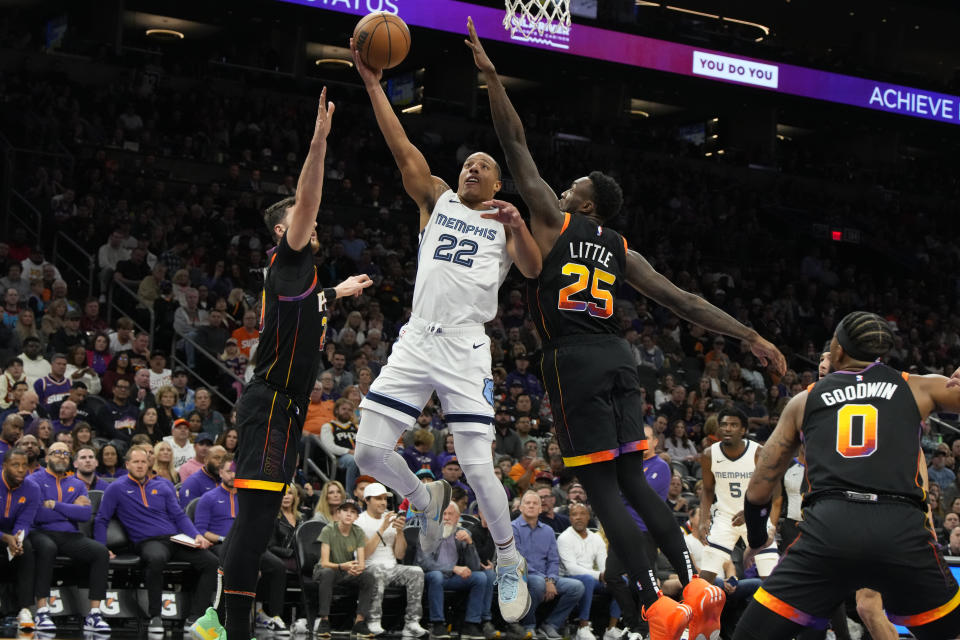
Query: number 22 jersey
[575,290]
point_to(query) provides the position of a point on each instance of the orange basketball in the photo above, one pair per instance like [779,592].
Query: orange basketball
[382,39]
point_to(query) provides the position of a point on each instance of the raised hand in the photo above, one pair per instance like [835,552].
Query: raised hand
[324,118]
[480,56]
[367,73]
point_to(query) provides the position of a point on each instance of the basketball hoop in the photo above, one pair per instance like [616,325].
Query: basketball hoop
[543,21]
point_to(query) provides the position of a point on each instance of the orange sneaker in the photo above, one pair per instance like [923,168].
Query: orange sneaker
[706,601]
[668,619]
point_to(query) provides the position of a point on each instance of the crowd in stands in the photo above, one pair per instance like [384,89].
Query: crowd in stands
[91,399]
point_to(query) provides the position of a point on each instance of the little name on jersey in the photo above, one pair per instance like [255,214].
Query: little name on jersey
[859,391]
[459,225]
[591,251]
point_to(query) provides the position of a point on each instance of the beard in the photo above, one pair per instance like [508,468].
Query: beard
[448,530]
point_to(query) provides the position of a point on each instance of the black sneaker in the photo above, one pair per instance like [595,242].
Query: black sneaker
[361,630]
[471,631]
[321,628]
[439,630]
[490,632]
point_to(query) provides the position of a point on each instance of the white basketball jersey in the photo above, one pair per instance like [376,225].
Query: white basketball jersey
[732,477]
[462,262]
[793,484]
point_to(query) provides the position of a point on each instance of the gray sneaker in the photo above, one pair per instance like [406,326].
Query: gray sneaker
[549,632]
[431,518]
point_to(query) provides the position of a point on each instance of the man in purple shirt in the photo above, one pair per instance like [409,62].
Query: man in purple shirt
[207,478]
[19,501]
[537,543]
[10,433]
[214,517]
[64,504]
[149,512]
[55,386]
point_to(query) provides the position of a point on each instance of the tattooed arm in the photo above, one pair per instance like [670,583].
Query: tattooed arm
[644,278]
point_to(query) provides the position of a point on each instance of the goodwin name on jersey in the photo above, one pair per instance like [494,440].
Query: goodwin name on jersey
[859,391]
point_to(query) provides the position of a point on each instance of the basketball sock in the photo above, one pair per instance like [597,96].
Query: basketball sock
[376,455]
[239,618]
[473,453]
[655,513]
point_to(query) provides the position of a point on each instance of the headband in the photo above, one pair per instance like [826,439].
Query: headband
[850,350]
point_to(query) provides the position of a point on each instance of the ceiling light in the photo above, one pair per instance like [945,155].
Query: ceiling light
[417,108]
[640,112]
[165,34]
[334,62]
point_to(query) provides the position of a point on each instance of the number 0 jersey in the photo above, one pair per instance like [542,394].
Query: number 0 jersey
[461,263]
[862,433]
[575,290]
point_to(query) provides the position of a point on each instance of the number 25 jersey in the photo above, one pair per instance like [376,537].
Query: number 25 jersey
[580,276]
[861,430]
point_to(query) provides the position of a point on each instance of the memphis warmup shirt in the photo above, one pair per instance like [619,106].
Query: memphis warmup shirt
[65,514]
[216,511]
[196,485]
[19,506]
[148,510]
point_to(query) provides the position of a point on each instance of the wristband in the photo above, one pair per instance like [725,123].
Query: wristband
[329,295]
[756,517]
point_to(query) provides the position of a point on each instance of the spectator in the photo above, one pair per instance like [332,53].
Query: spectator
[140,350]
[420,454]
[202,445]
[98,356]
[27,408]
[524,426]
[548,516]
[85,411]
[118,369]
[341,377]
[757,416]
[455,565]
[79,371]
[248,334]
[675,408]
[320,409]
[188,320]
[10,433]
[85,464]
[166,399]
[213,422]
[953,548]
[386,544]
[453,474]
[674,499]
[69,335]
[447,450]
[332,496]
[529,381]
[148,423]
[186,397]
[122,338]
[90,321]
[198,482]
[212,336]
[23,500]
[19,285]
[537,544]
[109,256]
[179,441]
[12,374]
[228,439]
[338,438]
[30,442]
[27,327]
[680,448]
[141,395]
[66,417]
[163,463]
[342,561]
[35,366]
[118,416]
[109,465]
[63,505]
[149,525]
[215,513]
[283,543]
[159,374]
[938,471]
[507,441]
[54,386]
[583,556]
[650,355]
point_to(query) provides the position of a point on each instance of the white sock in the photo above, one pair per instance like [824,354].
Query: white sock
[94,610]
[43,609]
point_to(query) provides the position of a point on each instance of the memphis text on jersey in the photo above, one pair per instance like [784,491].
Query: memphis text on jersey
[859,391]
[463,227]
[591,251]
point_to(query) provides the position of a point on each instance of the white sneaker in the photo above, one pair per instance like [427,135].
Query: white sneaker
[274,625]
[25,620]
[300,627]
[412,629]
[584,633]
[512,592]
[613,633]
[431,518]
[374,626]
[43,621]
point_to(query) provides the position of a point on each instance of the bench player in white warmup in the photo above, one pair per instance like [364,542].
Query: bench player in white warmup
[466,249]
[727,468]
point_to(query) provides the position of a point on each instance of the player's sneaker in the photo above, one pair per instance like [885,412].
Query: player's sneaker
[431,518]
[706,601]
[512,592]
[208,627]
[668,619]
[25,620]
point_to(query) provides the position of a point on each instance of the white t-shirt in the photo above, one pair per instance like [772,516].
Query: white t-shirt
[157,380]
[581,556]
[180,454]
[383,555]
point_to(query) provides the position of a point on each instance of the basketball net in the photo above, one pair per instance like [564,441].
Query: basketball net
[534,19]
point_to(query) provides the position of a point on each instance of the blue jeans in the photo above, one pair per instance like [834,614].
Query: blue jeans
[481,591]
[346,461]
[569,593]
[590,586]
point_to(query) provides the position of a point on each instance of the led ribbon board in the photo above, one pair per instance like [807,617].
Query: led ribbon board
[660,55]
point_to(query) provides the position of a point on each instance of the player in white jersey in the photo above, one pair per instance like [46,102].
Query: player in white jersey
[468,241]
[727,468]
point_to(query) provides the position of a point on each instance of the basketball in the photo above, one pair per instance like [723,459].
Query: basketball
[382,39]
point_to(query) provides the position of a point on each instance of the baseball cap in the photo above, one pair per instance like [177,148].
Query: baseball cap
[205,437]
[452,460]
[367,479]
[181,421]
[349,504]
[544,475]
[374,489]
[426,473]
[179,371]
